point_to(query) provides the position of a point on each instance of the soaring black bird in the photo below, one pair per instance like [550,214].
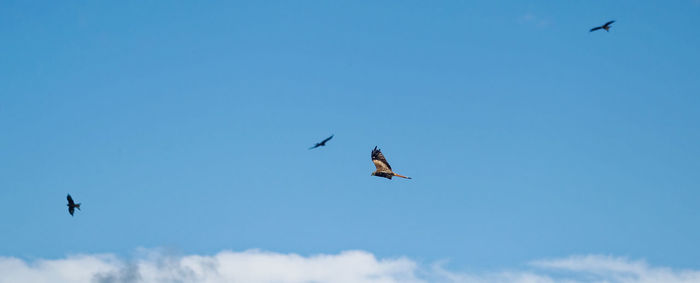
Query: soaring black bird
[72,205]
[606,26]
[322,143]
[383,167]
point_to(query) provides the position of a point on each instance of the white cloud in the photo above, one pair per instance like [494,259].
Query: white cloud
[351,266]
[617,269]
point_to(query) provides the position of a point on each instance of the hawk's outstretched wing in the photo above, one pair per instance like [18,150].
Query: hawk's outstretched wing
[596,28]
[327,139]
[379,160]
[608,23]
[70,201]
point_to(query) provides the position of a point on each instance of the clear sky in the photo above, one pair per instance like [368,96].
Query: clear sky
[185,125]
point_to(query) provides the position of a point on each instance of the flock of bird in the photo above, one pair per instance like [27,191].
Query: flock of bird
[383,169]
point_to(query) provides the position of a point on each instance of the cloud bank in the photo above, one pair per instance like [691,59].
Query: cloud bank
[351,266]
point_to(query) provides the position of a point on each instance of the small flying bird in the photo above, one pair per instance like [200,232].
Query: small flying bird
[606,26]
[323,143]
[72,205]
[383,167]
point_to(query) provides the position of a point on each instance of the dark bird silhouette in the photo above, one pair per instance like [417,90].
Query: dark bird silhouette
[606,26]
[322,143]
[383,167]
[72,205]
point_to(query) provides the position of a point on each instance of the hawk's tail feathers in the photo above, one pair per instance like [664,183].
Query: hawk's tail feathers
[397,175]
[77,206]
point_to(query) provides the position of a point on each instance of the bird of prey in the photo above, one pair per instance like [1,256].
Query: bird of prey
[72,205]
[383,167]
[606,26]
[322,143]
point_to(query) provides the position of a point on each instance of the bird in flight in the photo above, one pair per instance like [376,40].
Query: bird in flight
[72,205]
[606,26]
[322,143]
[383,167]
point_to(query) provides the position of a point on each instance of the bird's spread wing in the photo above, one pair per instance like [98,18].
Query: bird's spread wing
[379,160]
[70,200]
[596,28]
[71,210]
[608,23]
[327,139]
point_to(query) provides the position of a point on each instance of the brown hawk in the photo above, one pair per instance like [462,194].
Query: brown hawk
[72,205]
[322,143]
[606,26]
[383,167]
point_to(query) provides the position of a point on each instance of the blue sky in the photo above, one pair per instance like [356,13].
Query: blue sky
[185,125]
